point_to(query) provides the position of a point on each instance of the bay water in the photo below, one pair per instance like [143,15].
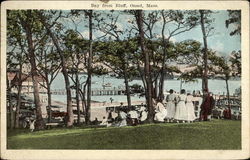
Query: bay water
[215,86]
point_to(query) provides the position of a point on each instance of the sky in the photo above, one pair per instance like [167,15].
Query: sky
[220,40]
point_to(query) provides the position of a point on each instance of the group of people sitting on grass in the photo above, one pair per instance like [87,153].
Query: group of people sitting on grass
[124,116]
[178,108]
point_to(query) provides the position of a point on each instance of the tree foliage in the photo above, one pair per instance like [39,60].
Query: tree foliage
[234,20]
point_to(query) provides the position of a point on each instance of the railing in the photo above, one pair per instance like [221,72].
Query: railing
[94,92]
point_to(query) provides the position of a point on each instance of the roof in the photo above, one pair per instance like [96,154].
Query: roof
[11,75]
[24,77]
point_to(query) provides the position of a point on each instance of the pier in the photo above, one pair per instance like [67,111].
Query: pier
[94,92]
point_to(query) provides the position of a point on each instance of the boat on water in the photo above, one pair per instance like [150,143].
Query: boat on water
[107,85]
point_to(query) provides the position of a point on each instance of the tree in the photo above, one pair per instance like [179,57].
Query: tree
[111,28]
[189,53]
[48,67]
[90,15]
[159,44]
[222,69]
[184,21]
[45,19]
[150,21]
[89,68]
[206,29]
[75,51]
[235,21]
[31,27]
[17,68]
[148,89]
[16,59]
[235,60]
[113,54]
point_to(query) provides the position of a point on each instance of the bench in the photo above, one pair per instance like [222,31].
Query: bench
[49,125]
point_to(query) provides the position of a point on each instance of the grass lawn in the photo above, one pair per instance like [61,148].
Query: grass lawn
[217,134]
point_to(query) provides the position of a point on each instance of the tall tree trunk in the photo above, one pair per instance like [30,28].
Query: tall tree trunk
[19,100]
[127,88]
[88,109]
[204,77]
[126,81]
[139,18]
[77,99]
[164,44]
[228,94]
[141,75]
[39,119]
[70,116]
[83,100]
[11,115]
[156,88]
[85,103]
[181,82]
[31,51]
[49,102]
[154,75]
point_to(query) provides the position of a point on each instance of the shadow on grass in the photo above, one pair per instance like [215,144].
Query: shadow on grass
[217,134]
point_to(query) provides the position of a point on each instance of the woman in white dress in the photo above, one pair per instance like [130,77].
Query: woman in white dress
[160,112]
[190,108]
[181,110]
[170,106]
[143,114]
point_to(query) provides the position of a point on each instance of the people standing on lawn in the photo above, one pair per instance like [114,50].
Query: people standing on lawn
[206,106]
[190,108]
[171,100]
[181,110]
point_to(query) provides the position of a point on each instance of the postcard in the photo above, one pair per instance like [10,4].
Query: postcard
[110,79]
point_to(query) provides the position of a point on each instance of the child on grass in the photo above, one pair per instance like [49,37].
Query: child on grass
[32,125]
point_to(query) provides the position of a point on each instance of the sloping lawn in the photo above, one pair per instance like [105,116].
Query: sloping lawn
[217,134]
